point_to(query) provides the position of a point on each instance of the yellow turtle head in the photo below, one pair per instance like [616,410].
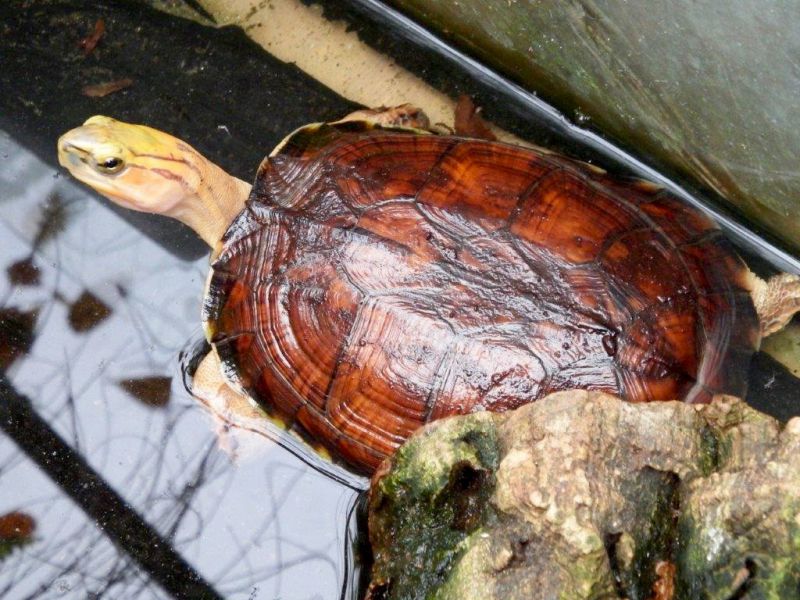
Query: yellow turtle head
[133,165]
[151,171]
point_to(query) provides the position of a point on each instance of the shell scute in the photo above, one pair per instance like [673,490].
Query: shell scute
[402,223]
[713,264]
[677,224]
[305,186]
[568,216]
[281,178]
[727,318]
[373,168]
[462,384]
[483,179]
[310,327]
[384,376]
[608,301]
[647,265]
[586,371]
[663,334]
[318,426]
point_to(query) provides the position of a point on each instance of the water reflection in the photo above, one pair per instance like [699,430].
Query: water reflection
[94,316]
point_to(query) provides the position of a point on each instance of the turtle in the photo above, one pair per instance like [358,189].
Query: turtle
[381,273]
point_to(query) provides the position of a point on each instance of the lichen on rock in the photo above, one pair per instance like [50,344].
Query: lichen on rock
[581,495]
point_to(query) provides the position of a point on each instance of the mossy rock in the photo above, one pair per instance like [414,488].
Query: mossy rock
[583,496]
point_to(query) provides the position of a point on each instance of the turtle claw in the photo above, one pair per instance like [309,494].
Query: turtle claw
[226,442]
[237,443]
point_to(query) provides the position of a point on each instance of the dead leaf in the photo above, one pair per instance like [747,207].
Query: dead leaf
[16,526]
[16,334]
[52,220]
[16,529]
[664,586]
[89,43]
[104,89]
[468,121]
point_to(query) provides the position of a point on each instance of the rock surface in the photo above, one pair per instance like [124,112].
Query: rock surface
[581,495]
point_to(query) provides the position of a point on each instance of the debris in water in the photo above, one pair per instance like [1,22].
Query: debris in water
[52,221]
[664,586]
[468,120]
[16,529]
[152,391]
[87,312]
[89,43]
[16,526]
[24,272]
[16,334]
[104,89]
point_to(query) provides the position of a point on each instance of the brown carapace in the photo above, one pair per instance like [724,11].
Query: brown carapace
[379,279]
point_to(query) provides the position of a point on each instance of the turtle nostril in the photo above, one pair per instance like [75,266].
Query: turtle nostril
[67,148]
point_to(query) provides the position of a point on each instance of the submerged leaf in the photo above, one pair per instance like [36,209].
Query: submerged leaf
[87,312]
[24,272]
[152,391]
[52,221]
[104,89]
[89,43]
[16,525]
[16,334]
[469,122]
[16,529]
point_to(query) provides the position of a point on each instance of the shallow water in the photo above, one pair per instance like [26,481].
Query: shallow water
[261,525]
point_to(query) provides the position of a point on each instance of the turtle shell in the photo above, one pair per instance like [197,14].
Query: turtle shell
[379,279]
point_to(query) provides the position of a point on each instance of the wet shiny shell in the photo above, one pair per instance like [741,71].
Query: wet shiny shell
[380,279]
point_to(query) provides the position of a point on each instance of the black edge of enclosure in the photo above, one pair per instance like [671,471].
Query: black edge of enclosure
[768,380]
[115,517]
[214,87]
[508,103]
[200,10]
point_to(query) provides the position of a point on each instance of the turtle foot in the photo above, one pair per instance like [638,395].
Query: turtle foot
[776,301]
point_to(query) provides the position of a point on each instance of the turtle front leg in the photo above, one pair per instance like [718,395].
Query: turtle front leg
[776,301]
[240,426]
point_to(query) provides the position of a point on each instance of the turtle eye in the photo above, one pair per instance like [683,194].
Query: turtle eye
[111,164]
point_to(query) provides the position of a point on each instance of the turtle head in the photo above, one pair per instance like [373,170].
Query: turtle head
[151,171]
[135,166]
